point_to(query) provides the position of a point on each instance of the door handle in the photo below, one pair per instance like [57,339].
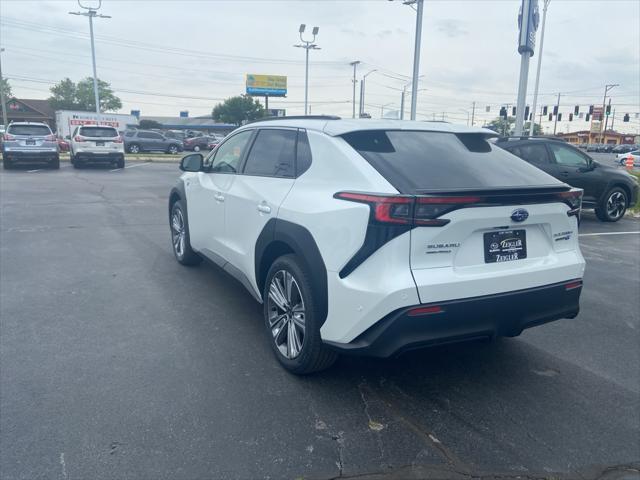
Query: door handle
[264,208]
[219,197]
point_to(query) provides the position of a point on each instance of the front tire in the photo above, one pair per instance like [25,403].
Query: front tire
[292,320]
[172,150]
[180,236]
[613,206]
[134,148]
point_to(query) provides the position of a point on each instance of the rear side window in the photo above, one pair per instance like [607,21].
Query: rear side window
[304,153]
[273,154]
[100,132]
[532,153]
[415,161]
[130,133]
[34,130]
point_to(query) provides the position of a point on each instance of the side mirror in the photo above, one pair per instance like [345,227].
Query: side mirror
[191,163]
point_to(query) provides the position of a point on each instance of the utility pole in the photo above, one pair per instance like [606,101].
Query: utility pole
[355,66]
[2,99]
[604,101]
[613,118]
[555,124]
[91,13]
[535,90]
[606,117]
[416,58]
[307,45]
[473,112]
[363,87]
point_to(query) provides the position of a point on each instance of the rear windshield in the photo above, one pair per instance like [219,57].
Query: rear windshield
[414,161]
[35,130]
[100,132]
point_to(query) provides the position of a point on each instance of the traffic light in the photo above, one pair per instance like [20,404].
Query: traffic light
[587,117]
[550,116]
[559,117]
[503,112]
[576,110]
[513,112]
[590,109]
[608,110]
[626,117]
[526,112]
[555,109]
[570,117]
[544,110]
[531,116]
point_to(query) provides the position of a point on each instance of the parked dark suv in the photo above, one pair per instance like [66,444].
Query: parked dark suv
[609,190]
[136,141]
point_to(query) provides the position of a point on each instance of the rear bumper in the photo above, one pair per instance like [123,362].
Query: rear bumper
[27,156]
[505,314]
[106,157]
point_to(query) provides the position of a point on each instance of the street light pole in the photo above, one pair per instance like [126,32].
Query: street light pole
[307,45]
[355,66]
[2,99]
[363,87]
[535,89]
[91,13]
[416,58]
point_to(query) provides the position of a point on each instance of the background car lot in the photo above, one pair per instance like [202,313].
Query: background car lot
[145,369]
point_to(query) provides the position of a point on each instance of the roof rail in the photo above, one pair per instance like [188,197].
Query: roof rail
[527,137]
[297,117]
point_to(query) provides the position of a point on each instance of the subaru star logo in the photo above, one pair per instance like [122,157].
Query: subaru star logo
[519,215]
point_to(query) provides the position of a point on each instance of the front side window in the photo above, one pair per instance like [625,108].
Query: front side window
[228,155]
[273,154]
[567,156]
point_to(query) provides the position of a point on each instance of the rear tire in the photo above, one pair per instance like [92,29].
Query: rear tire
[120,163]
[613,206]
[55,164]
[292,320]
[180,239]
[173,149]
[7,164]
[134,148]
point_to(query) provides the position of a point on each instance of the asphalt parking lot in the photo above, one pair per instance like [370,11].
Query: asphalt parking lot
[117,362]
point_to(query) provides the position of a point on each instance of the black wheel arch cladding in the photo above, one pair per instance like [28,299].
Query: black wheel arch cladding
[281,237]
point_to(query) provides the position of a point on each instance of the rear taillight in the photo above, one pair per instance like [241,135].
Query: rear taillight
[430,310]
[394,209]
[50,138]
[8,137]
[573,285]
[78,138]
[117,140]
[428,209]
[573,198]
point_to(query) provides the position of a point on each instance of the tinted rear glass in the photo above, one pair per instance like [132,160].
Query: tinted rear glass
[100,132]
[416,160]
[35,130]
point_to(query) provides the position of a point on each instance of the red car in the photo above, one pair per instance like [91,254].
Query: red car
[213,144]
[63,145]
[197,143]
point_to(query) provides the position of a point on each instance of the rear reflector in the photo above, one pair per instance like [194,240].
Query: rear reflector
[430,310]
[573,285]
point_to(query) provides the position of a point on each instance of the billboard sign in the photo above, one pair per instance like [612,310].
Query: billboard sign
[528,21]
[266,85]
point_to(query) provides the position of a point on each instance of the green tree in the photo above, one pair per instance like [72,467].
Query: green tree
[236,110]
[66,95]
[507,127]
[6,88]
[149,124]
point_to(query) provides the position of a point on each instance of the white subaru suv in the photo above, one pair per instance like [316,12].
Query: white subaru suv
[374,237]
[96,144]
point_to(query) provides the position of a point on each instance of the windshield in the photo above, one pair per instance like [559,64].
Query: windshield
[32,130]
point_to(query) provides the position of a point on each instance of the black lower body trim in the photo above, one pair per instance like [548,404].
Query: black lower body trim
[504,314]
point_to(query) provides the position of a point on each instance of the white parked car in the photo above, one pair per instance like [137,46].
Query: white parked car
[96,144]
[621,158]
[374,237]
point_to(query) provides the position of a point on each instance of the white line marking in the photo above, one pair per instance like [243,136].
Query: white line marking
[33,171]
[137,165]
[64,466]
[115,169]
[607,233]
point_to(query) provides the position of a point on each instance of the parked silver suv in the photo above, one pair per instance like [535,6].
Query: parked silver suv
[29,142]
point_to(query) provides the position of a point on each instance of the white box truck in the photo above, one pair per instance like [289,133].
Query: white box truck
[68,120]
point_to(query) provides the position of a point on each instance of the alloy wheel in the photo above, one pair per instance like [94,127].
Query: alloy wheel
[616,205]
[286,314]
[178,232]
